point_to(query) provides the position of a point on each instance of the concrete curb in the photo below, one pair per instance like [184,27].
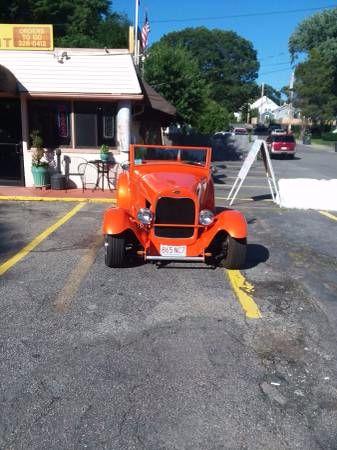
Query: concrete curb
[23,198]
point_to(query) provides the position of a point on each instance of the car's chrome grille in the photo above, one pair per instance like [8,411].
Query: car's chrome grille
[180,211]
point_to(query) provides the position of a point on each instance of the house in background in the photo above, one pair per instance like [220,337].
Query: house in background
[78,99]
[264,105]
[287,114]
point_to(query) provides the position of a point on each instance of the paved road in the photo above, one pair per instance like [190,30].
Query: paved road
[308,163]
[146,358]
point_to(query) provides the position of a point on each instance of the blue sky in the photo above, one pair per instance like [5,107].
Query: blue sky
[268,33]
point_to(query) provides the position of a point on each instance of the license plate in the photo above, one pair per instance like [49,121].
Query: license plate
[173,250]
[284,148]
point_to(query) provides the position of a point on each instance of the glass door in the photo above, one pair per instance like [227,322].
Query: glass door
[11,158]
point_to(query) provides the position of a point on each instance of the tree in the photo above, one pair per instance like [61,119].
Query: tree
[213,117]
[77,23]
[175,74]
[316,78]
[314,31]
[272,93]
[316,86]
[285,91]
[227,62]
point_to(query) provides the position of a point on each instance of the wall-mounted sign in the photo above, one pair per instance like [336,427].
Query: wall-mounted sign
[26,37]
[62,121]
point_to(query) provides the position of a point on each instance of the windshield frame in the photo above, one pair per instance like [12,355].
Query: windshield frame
[207,163]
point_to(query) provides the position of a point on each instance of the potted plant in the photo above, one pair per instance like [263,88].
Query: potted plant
[40,168]
[104,152]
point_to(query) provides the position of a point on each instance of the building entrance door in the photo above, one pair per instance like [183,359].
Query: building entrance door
[11,157]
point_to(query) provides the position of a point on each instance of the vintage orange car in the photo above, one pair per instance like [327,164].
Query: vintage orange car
[166,211]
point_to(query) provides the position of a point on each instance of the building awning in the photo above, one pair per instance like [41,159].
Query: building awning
[8,83]
[70,71]
[156,101]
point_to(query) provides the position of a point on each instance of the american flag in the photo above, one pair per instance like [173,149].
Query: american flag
[145,32]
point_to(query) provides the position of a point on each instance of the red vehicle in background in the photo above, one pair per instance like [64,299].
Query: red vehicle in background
[282,144]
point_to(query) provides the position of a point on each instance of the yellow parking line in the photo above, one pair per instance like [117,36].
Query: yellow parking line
[329,215]
[242,289]
[36,241]
[77,275]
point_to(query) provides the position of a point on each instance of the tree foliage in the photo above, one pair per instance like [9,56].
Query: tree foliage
[227,62]
[77,23]
[316,86]
[175,74]
[314,31]
[272,93]
[316,77]
[213,117]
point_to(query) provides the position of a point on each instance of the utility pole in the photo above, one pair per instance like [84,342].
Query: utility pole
[291,99]
[262,102]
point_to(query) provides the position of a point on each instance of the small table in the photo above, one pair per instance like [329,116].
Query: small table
[103,168]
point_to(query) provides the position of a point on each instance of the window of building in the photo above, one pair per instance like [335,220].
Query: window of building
[52,119]
[94,124]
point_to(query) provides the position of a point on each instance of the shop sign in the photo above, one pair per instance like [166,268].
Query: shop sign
[26,37]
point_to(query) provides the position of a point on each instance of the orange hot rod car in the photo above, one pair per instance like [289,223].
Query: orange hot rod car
[166,211]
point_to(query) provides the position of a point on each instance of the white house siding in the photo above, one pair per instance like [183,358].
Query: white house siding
[264,104]
[83,71]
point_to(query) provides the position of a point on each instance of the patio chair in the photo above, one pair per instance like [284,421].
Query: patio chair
[89,175]
[71,165]
[113,173]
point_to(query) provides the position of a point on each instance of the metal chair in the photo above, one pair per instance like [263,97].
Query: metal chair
[71,165]
[89,175]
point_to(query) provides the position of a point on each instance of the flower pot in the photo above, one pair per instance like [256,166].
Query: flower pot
[41,176]
[104,157]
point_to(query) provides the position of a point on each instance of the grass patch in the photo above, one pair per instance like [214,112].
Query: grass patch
[322,142]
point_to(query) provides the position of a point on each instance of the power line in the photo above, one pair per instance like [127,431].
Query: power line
[274,71]
[273,56]
[276,64]
[237,16]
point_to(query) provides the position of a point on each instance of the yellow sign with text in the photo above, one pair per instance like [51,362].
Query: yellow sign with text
[26,37]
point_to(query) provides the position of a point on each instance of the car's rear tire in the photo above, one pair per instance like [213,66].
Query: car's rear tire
[236,253]
[291,156]
[115,251]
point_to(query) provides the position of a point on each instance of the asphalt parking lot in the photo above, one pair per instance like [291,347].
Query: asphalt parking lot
[147,358]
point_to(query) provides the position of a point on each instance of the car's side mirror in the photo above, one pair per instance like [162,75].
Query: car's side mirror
[125,165]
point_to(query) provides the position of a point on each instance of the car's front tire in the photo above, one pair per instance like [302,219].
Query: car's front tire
[236,253]
[115,251]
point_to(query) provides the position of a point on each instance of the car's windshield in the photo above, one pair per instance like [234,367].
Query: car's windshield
[184,155]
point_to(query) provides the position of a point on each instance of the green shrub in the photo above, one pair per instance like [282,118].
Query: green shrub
[329,136]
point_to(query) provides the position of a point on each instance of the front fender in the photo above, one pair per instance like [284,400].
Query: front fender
[116,221]
[231,221]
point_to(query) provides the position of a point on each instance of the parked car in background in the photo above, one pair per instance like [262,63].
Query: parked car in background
[261,130]
[238,131]
[282,144]
[273,127]
[278,131]
[166,211]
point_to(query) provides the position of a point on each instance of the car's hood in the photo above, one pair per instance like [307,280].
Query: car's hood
[163,181]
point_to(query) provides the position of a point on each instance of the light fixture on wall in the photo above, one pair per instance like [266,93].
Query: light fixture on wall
[62,57]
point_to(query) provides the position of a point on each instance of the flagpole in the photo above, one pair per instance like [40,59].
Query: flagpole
[136,55]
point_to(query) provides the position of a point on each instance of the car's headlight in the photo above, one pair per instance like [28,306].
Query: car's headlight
[206,217]
[145,216]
